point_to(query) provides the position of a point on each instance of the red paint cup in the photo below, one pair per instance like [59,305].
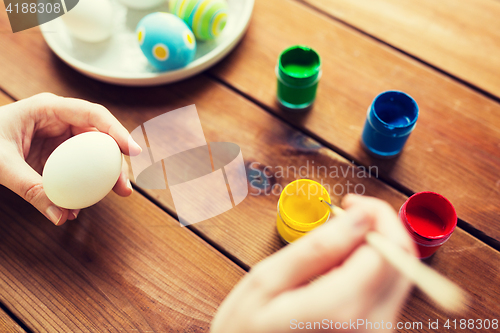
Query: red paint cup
[430,219]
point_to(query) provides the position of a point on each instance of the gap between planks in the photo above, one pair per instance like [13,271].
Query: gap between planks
[12,316]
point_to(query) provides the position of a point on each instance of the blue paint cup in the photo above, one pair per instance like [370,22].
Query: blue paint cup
[391,118]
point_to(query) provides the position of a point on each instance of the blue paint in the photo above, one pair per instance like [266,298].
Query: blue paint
[391,118]
[258,179]
[303,143]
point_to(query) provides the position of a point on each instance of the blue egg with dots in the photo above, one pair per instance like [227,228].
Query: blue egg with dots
[166,41]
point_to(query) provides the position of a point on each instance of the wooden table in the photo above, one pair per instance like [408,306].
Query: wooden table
[126,266]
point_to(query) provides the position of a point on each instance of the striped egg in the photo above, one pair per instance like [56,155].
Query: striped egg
[207,18]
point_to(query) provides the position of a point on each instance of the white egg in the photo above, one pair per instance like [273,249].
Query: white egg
[90,20]
[82,170]
[142,4]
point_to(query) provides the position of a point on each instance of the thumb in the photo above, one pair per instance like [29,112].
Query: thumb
[19,177]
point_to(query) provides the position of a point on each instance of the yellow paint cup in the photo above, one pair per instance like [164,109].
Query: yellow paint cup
[300,210]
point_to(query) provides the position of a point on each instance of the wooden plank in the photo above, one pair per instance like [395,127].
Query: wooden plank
[248,232]
[459,37]
[454,148]
[124,265]
[7,325]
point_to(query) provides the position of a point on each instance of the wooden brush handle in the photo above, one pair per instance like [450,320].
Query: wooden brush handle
[440,289]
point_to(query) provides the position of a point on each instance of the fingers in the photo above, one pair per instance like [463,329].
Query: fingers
[365,276]
[329,245]
[19,177]
[312,255]
[84,114]
[123,187]
[384,218]
[356,281]
[363,287]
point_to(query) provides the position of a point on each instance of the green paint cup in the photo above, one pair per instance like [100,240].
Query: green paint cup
[298,72]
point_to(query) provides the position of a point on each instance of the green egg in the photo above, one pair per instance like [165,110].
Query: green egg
[206,18]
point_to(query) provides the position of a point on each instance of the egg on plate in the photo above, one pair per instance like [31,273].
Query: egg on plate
[90,20]
[206,18]
[166,41]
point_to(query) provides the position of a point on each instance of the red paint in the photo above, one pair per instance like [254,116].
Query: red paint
[425,222]
[430,220]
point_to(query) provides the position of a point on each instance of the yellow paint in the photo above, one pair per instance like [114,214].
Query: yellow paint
[300,209]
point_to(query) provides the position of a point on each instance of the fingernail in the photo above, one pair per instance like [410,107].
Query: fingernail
[75,215]
[129,185]
[54,214]
[136,148]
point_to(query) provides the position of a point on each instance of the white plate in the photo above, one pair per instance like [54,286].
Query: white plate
[119,60]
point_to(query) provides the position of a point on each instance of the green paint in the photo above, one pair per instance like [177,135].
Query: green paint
[298,73]
[300,62]
[301,70]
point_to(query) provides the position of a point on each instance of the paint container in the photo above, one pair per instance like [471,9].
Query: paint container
[298,72]
[391,118]
[300,210]
[430,219]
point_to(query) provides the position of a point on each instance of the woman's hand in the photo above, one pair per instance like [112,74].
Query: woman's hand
[32,128]
[356,283]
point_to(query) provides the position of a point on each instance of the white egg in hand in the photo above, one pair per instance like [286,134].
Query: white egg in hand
[90,20]
[82,170]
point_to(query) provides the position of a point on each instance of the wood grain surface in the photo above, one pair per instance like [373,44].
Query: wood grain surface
[4,99]
[123,266]
[247,233]
[455,148]
[7,325]
[459,37]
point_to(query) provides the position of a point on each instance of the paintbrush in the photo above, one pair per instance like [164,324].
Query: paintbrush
[441,290]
